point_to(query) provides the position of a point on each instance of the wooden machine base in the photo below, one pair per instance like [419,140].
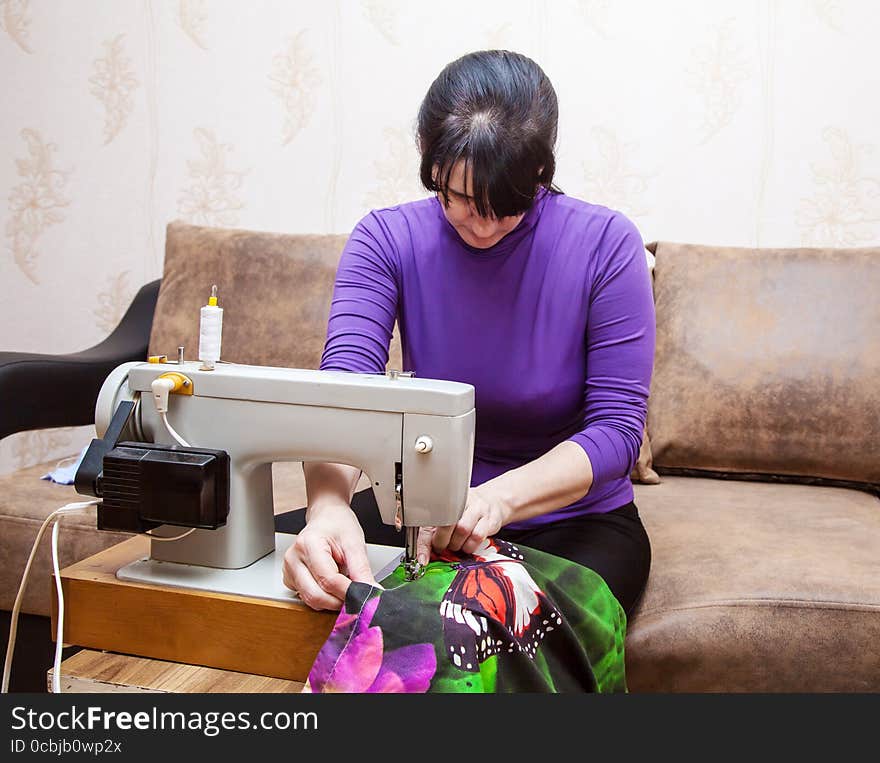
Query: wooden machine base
[247,635]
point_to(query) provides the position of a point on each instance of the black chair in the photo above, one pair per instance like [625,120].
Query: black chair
[46,391]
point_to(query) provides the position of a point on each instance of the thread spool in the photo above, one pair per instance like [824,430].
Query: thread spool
[210,332]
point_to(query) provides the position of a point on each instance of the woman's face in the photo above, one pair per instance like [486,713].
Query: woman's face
[479,232]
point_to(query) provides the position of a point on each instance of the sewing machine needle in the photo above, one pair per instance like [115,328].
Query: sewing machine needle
[411,567]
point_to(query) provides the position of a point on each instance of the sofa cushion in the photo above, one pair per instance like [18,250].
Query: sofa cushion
[767,362]
[274,288]
[756,586]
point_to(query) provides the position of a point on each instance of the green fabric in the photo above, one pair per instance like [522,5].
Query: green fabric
[506,619]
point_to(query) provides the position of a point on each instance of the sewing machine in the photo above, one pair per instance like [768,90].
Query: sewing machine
[412,437]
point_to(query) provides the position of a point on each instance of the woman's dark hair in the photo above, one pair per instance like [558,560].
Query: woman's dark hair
[497,111]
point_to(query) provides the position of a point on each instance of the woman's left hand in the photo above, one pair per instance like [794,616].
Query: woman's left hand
[485,513]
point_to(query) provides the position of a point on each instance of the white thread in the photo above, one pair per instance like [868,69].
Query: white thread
[210,332]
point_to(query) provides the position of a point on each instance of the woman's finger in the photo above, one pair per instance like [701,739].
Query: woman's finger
[462,530]
[289,566]
[297,578]
[315,597]
[321,577]
[440,539]
[423,545]
[482,530]
[325,571]
[356,563]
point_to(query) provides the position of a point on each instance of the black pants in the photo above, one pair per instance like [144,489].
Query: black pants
[613,544]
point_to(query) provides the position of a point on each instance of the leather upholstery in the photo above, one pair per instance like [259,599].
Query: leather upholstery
[767,362]
[757,587]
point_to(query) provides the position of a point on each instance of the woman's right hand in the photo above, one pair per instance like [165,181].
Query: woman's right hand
[327,556]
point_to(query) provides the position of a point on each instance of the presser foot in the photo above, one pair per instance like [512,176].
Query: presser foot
[412,569]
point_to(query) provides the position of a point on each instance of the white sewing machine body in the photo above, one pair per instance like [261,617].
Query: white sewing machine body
[412,437]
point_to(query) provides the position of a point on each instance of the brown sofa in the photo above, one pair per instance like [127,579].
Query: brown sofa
[764,423]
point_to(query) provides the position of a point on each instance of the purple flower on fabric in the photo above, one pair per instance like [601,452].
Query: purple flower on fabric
[354,660]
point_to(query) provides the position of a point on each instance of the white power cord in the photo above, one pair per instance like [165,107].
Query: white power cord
[70,508]
[59,629]
[160,397]
[161,387]
[178,439]
[55,520]
[176,537]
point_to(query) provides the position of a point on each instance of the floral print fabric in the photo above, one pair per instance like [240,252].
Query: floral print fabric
[505,619]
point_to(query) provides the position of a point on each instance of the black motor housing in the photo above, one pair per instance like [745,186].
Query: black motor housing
[144,485]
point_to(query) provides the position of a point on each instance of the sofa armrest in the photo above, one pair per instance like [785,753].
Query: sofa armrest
[42,391]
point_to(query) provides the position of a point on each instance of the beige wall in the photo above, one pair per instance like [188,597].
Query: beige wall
[740,123]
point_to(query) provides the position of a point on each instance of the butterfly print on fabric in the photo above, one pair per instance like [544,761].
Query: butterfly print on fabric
[493,606]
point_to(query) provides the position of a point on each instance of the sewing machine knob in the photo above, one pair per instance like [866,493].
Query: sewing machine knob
[424,444]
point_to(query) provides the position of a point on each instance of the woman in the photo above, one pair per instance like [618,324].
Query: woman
[541,301]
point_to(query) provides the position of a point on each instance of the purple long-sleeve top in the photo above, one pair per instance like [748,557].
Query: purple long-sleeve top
[553,326]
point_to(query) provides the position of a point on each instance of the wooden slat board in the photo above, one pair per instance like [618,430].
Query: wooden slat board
[246,635]
[105,672]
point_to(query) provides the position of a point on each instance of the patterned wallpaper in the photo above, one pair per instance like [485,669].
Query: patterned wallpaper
[739,123]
